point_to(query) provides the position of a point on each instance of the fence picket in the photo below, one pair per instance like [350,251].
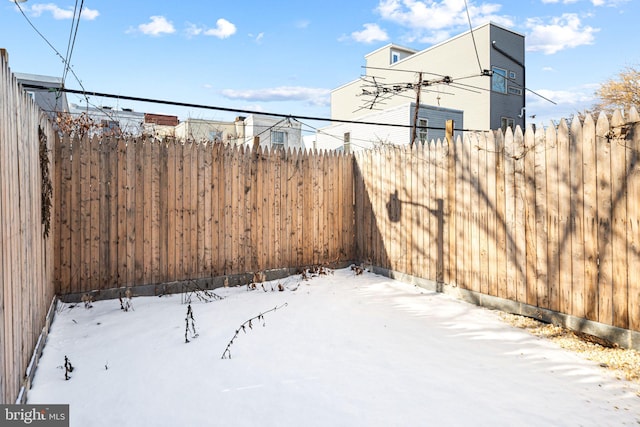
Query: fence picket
[620,171]
[605,249]
[576,219]
[633,223]
[553,250]
[590,218]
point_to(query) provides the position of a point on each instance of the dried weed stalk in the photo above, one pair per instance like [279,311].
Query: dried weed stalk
[248,324]
[190,325]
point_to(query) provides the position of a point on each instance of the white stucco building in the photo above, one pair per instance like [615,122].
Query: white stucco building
[476,79]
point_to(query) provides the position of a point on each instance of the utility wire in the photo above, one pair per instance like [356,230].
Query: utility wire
[49,43]
[72,41]
[230,110]
[475,47]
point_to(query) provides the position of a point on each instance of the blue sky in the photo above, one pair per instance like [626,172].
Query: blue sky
[285,57]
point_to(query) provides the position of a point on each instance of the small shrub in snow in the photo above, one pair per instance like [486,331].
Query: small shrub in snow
[258,277]
[87,299]
[248,324]
[126,304]
[191,289]
[190,325]
[315,271]
[68,368]
[357,269]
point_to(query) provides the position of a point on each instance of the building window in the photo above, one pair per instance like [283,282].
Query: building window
[278,138]
[423,131]
[347,142]
[507,122]
[215,135]
[499,80]
[515,90]
[110,127]
[395,57]
[512,75]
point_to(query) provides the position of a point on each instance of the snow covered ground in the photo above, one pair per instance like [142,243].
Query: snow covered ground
[346,350]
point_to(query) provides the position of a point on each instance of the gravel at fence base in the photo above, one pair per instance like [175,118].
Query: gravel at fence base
[625,363]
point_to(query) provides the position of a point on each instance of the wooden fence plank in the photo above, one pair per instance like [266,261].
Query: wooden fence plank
[483,209]
[459,200]
[172,211]
[140,196]
[433,208]
[84,194]
[153,170]
[260,205]
[519,216]
[492,237]
[93,221]
[553,236]
[57,208]
[565,235]
[299,207]
[510,214]
[105,197]
[605,249]
[235,210]
[633,223]
[207,187]
[474,214]
[619,180]
[501,224]
[541,219]
[200,269]
[181,216]
[530,216]
[121,206]
[163,213]
[590,219]
[576,218]
[64,198]
[190,197]
[248,204]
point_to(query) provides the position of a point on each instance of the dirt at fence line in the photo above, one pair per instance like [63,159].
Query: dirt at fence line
[625,363]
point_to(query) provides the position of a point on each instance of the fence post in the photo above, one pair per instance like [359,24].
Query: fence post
[449,215]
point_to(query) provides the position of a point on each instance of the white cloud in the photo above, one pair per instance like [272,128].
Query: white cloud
[371,33]
[565,97]
[568,103]
[434,21]
[315,96]
[548,69]
[193,30]
[561,33]
[158,25]
[223,29]
[60,13]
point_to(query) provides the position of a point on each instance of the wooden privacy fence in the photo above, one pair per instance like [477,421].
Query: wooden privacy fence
[139,211]
[26,286]
[550,218]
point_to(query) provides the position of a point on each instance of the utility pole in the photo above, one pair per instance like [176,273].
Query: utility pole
[414,133]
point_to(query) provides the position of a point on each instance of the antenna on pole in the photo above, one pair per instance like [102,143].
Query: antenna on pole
[414,133]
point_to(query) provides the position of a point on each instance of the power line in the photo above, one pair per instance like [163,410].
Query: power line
[72,38]
[48,43]
[230,110]
[475,47]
